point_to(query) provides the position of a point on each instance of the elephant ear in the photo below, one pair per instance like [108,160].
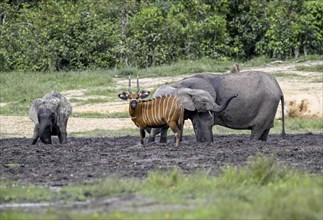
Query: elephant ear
[64,110]
[196,99]
[33,110]
[184,96]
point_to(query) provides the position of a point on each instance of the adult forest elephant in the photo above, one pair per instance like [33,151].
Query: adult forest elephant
[50,115]
[254,109]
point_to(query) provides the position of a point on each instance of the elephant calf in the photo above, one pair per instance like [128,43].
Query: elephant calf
[50,115]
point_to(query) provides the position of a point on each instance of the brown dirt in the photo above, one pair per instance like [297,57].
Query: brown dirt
[89,158]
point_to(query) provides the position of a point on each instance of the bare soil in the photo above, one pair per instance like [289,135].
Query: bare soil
[90,158]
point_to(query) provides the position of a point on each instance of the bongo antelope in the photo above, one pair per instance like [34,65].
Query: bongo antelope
[158,112]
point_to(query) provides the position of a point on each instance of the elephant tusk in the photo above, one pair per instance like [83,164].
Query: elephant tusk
[210,114]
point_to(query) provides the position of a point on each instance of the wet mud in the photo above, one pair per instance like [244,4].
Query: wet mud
[85,159]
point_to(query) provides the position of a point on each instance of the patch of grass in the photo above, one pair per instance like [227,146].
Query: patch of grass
[318,79]
[316,68]
[14,165]
[287,75]
[94,100]
[263,188]
[310,57]
[257,61]
[302,58]
[101,115]
[302,125]
[292,126]
[186,67]
[103,91]
[17,192]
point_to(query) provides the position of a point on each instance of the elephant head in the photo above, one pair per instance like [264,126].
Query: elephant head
[201,109]
[50,115]
[200,100]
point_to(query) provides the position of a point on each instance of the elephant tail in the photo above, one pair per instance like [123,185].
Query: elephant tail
[283,116]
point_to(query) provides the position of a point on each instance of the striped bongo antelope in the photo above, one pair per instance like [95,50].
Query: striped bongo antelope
[158,112]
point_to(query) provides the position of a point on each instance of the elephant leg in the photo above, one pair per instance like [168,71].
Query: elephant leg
[265,135]
[261,130]
[152,135]
[35,135]
[257,132]
[163,135]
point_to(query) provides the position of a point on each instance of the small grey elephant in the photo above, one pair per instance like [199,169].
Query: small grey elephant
[50,115]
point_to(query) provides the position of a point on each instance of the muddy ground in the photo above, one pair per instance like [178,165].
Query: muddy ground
[89,158]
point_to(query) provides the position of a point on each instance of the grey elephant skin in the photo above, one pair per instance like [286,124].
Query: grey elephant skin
[50,115]
[254,108]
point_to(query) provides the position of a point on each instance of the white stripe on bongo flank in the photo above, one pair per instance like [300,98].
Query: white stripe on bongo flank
[162,100]
[170,112]
[143,112]
[155,112]
[159,106]
[165,111]
[148,113]
[159,110]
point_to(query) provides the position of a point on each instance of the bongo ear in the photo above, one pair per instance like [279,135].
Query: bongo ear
[123,95]
[144,94]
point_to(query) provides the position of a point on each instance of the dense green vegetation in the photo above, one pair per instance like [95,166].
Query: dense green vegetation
[261,189]
[38,35]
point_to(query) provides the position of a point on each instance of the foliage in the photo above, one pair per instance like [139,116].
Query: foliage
[294,26]
[315,68]
[57,35]
[263,188]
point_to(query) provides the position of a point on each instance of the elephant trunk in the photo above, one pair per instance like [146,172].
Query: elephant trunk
[45,133]
[220,108]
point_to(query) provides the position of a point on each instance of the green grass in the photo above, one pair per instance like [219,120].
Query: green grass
[288,75]
[257,61]
[292,126]
[316,68]
[261,189]
[102,115]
